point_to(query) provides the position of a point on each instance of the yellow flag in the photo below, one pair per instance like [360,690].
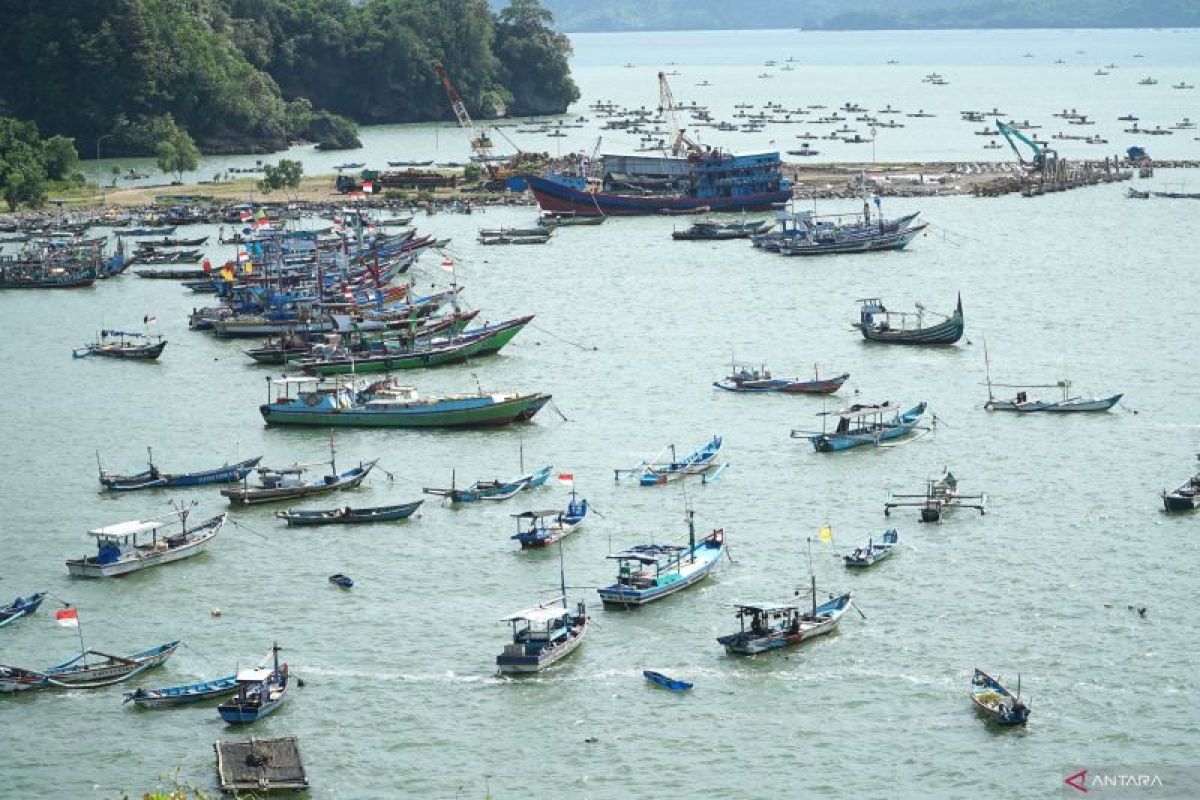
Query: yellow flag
[227,272]
[248,267]
[826,533]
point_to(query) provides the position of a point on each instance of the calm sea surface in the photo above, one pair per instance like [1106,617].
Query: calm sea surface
[400,697]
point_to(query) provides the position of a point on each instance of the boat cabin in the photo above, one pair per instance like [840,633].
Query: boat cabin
[538,628]
[648,565]
[761,619]
[115,541]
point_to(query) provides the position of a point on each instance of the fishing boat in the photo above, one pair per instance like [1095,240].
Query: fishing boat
[649,572]
[873,551]
[542,528]
[184,694]
[542,636]
[658,472]
[863,424]
[260,692]
[388,403]
[1185,498]
[940,495]
[140,544]
[123,344]
[82,672]
[1022,403]
[659,679]
[998,703]
[20,607]
[153,478]
[877,324]
[348,515]
[290,483]
[714,230]
[750,379]
[771,626]
[833,241]
[493,489]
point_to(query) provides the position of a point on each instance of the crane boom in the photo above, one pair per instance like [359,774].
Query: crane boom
[480,143]
[667,107]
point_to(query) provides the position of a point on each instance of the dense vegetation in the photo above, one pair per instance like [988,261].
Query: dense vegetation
[31,165]
[250,75]
[588,15]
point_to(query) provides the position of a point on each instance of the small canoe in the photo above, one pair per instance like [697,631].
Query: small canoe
[997,702]
[20,607]
[348,515]
[184,694]
[344,581]
[667,683]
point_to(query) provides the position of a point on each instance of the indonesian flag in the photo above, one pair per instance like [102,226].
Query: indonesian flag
[368,187]
[67,617]
[566,479]
[207,265]
[247,216]
[448,264]
[261,222]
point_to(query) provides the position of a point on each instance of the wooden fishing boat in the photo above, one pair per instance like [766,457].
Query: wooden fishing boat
[542,636]
[941,495]
[1021,402]
[259,692]
[494,489]
[297,344]
[657,472]
[123,344]
[341,581]
[1185,498]
[348,515]
[877,324]
[390,404]
[542,528]
[289,483]
[45,277]
[649,572]
[659,679]
[749,379]
[20,607]
[84,673]
[184,694]
[714,230]
[862,424]
[997,702]
[153,478]
[873,551]
[140,544]
[777,625]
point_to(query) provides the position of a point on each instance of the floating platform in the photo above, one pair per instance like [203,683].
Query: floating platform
[260,765]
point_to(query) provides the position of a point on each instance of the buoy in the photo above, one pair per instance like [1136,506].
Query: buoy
[216,612]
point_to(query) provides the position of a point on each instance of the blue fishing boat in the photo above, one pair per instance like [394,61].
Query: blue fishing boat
[873,551]
[341,581]
[862,424]
[997,702]
[771,626]
[290,483]
[349,516]
[542,528]
[494,489]
[667,683]
[153,478]
[183,694]
[657,472]
[21,607]
[259,692]
[649,572]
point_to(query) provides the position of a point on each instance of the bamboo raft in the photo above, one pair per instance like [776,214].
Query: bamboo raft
[260,765]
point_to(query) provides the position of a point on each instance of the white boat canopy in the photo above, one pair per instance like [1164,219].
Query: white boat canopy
[123,529]
[542,614]
[254,675]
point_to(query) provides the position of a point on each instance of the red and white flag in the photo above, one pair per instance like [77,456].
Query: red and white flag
[566,479]
[67,617]
[247,216]
[448,264]
[368,187]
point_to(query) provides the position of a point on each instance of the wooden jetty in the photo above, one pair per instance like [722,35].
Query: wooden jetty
[260,765]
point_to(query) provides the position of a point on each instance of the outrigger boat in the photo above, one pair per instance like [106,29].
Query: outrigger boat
[123,344]
[749,379]
[657,473]
[20,607]
[1022,404]
[649,572]
[1185,498]
[348,515]
[776,625]
[873,551]
[940,496]
[862,424]
[259,692]
[80,673]
[119,551]
[542,528]
[390,404]
[997,702]
[152,478]
[492,490]
[289,483]
[876,324]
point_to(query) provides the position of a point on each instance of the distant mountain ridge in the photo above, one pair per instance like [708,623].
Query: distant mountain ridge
[578,16]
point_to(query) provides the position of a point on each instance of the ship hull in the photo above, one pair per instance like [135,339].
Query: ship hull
[557,198]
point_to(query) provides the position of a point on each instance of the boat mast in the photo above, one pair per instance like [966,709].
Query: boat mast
[987,366]
[562,575]
[691,518]
[332,456]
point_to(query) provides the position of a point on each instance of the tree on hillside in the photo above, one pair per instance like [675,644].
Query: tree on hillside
[286,175]
[534,59]
[61,158]
[22,165]
[177,153]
